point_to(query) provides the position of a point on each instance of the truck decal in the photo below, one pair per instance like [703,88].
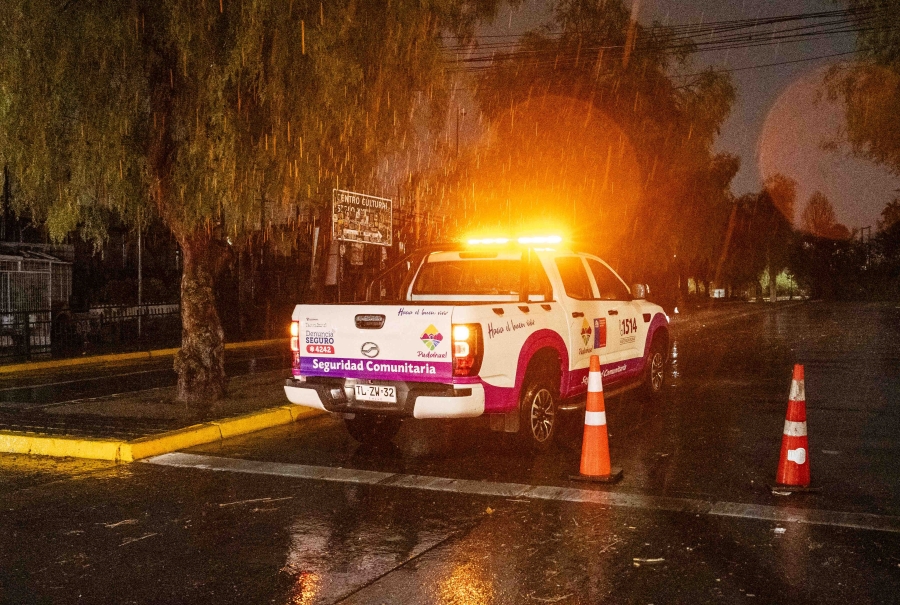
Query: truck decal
[378,369]
[432,337]
[599,332]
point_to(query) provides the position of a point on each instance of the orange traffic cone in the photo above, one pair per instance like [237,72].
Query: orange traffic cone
[793,466]
[595,447]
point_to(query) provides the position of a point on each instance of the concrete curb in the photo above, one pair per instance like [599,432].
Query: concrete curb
[145,447]
[77,361]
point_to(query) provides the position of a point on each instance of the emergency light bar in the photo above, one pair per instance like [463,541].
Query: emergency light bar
[527,241]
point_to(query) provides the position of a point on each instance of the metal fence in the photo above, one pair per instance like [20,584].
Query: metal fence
[44,334]
[34,284]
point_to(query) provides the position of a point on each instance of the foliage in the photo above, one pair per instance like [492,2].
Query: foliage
[832,268]
[844,268]
[819,218]
[870,87]
[616,151]
[762,236]
[203,111]
[890,215]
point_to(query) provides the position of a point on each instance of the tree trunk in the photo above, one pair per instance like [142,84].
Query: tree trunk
[773,285]
[201,361]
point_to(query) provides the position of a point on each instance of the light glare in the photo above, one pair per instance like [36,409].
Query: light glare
[460,332]
[543,239]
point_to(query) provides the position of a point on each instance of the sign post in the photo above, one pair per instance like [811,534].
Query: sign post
[361,219]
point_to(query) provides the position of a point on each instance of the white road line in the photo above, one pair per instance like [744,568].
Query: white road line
[544,492]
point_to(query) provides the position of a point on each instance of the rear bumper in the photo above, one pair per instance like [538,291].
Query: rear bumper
[414,400]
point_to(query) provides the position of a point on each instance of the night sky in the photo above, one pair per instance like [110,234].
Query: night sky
[779,121]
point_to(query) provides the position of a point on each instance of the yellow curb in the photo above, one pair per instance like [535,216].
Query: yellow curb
[156,353]
[154,445]
[169,442]
[61,447]
[254,422]
[77,361]
[255,343]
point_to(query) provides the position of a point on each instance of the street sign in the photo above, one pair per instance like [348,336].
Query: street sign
[361,218]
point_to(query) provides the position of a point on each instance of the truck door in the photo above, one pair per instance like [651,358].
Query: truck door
[626,332]
[586,336]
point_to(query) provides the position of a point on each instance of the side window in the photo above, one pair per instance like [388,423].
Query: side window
[574,277]
[539,287]
[610,286]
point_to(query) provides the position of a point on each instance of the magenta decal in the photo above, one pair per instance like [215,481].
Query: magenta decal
[377,369]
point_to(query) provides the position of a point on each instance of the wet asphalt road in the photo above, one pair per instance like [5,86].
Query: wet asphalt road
[692,521]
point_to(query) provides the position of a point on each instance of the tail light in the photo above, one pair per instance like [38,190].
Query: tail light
[295,344]
[295,336]
[467,349]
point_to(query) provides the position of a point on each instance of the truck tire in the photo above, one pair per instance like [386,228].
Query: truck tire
[655,374]
[371,429]
[539,414]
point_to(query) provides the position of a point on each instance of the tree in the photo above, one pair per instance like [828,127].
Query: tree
[870,87]
[819,219]
[201,112]
[763,237]
[890,215]
[780,193]
[588,130]
[783,191]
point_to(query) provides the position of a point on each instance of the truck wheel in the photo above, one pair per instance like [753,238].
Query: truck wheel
[654,380]
[373,430]
[539,414]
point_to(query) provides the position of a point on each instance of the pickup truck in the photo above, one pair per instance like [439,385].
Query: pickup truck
[493,327]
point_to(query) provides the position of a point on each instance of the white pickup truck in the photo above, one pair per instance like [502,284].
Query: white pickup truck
[493,327]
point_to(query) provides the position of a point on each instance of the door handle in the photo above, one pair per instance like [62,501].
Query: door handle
[613,312]
[577,314]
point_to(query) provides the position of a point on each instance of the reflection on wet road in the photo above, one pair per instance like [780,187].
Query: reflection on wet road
[693,520]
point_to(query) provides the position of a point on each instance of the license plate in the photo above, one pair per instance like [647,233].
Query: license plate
[375,392]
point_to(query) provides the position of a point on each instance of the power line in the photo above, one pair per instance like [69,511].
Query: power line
[719,36]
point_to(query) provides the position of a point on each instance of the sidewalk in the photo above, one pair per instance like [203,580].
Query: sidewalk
[136,425]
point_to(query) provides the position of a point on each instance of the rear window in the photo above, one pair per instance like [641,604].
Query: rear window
[488,277]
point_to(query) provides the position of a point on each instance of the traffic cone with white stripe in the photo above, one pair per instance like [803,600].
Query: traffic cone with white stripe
[793,466]
[595,465]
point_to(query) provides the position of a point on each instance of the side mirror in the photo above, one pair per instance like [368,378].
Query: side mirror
[640,291]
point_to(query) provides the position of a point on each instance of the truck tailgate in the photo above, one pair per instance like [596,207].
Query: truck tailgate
[377,342]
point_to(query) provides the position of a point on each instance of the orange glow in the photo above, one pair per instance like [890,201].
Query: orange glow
[466,586]
[555,164]
[792,142]
[305,588]
[524,241]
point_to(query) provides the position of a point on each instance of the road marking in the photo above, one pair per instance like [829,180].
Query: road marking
[758,512]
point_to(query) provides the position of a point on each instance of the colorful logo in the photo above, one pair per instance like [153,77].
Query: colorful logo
[431,337]
[585,332]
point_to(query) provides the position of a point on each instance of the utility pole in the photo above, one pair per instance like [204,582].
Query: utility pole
[140,280]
